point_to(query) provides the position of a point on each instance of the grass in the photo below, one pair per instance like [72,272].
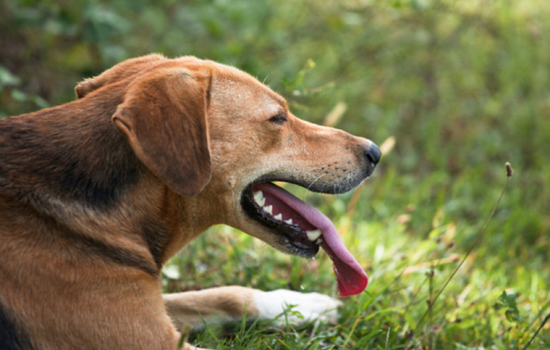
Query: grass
[460,87]
[468,315]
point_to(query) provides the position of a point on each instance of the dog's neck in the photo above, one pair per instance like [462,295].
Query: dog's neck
[72,167]
[74,154]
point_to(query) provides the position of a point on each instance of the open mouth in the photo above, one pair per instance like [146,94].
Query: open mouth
[301,230]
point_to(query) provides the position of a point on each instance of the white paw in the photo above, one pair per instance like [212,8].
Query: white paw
[311,306]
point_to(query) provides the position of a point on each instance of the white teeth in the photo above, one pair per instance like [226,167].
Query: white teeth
[268,209]
[289,221]
[258,195]
[259,198]
[278,217]
[313,235]
[319,241]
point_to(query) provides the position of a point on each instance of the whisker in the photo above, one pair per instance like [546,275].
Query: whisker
[311,184]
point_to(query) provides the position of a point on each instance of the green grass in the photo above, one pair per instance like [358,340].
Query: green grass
[462,86]
[464,317]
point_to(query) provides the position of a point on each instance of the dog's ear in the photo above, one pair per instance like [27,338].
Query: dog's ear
[164,118]
[117,73]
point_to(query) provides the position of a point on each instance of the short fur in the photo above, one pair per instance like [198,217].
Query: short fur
[98,193]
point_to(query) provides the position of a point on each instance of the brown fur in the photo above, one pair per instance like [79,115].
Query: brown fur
[96,194]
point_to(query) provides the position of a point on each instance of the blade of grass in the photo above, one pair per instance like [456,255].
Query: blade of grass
[351,332]
[537,332]
[509,173]
[211,332]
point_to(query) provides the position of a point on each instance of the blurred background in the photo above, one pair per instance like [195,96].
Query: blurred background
[453,89]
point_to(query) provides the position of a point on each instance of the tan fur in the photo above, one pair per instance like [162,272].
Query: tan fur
[96,194]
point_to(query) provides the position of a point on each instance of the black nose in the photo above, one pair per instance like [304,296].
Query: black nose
[373,155]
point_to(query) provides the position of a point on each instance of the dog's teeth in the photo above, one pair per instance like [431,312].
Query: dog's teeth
[259,198]
[289,221]
[313,235]
[261,202]
[278,217]
[319,241]
[269,209]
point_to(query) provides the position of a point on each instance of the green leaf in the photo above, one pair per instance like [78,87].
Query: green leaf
[6,78]
[512,315]
[18,95]
[508,302]
[40,102]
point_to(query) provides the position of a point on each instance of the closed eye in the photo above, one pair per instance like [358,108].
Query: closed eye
[279,118]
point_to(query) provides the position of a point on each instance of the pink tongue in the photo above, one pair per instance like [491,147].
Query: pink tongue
[351,277]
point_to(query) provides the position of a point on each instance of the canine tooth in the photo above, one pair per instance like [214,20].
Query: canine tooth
[289,221]
[278,217]
[319,241]
[258,195]
[313,235]
[269,209]
[259,198]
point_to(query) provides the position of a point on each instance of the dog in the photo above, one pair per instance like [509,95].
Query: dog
[98,193]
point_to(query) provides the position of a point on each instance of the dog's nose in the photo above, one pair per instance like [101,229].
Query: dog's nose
[373,155]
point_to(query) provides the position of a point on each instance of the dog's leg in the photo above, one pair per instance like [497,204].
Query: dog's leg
[226,304]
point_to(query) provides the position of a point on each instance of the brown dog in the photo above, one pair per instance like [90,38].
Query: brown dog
[96,194]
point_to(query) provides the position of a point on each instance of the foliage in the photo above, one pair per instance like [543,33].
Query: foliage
[462,86]
[508,301]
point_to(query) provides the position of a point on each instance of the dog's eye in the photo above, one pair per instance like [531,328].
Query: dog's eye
[279,118]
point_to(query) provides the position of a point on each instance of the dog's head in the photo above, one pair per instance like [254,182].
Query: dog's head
[217,136]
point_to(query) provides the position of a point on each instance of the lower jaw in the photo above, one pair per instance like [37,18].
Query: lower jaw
[286,242]
[294,249]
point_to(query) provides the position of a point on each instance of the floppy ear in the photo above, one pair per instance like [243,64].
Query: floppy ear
[164,118]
